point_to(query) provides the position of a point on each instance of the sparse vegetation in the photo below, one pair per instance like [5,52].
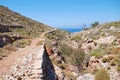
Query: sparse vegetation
[77,38]
[73,56]
[113,63]
[14,26]
[95,24]
[21,43]
[58,34]
[39,43]
[118,68]
[25,26]
[102,74]
[115,50]
[104,60]
[98,53]
[9,48]
[3,53]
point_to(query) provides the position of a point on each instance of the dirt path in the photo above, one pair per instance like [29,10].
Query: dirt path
[7,63]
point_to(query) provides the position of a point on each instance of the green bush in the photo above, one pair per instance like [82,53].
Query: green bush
[118,68]
[102,74]
[104,60]
[74,56]
[113,63]
[98,53]
[77,38]
[95,24]
[21,43]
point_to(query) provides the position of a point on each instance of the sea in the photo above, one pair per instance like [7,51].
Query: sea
[72,30]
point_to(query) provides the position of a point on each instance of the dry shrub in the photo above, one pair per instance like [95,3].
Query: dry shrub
[9,48]
[111,57]
[39,43]
[102,74]
[22,43]
[115,50]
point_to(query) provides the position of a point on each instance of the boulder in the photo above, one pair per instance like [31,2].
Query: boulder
[87,76]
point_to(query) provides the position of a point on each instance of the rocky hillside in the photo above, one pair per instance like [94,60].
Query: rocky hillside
[101,45]
[17,31]
[91,54]
[20,25]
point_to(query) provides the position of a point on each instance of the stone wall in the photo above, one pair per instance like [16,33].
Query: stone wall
[47,67]
[34,66]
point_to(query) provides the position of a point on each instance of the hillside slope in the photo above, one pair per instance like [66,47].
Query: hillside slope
[17,31]
[21,25]
[91,54]
[101,45]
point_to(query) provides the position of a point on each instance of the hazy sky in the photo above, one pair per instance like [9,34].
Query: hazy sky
[66,12]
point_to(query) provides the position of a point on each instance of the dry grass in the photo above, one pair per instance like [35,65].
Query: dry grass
[69,75]
[9,48]
[39,43]
[3,53]
[22,43]
[102,74]
[115,50]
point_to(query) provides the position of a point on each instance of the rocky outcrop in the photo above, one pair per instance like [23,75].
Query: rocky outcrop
[106,40]
[87,76]
[4,29]
[4,39]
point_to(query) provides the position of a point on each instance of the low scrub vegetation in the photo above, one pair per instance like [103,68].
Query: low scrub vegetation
[118,68]
[98,53]
[21,43]
[115,50]
[39,43]
[9,48]
[61,35]
[77,38]
[102,74]
[71,55]
[3,53]
[104,60]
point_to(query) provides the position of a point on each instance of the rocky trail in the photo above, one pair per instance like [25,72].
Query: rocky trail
[24,64]
[27,67]
[28,63]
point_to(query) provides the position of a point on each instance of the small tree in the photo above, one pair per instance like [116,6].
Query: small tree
[95,24]
[83,26]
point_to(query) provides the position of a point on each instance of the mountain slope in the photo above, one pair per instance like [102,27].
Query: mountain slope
[101,45]
[17,31]
[24,26]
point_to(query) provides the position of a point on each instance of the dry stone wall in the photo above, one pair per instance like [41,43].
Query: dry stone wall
[35,66]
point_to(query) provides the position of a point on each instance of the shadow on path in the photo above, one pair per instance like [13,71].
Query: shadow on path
[48,68]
